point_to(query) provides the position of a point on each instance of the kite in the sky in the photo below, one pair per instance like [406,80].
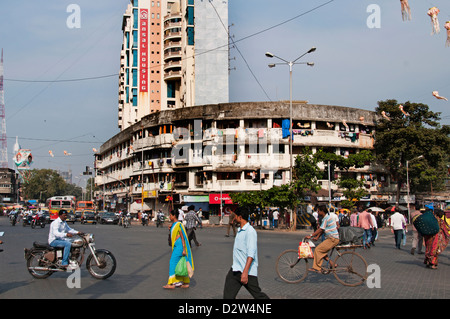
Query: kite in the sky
[383,113]
[406,10]
[67,153]
[447,26]
[51,153]
[436,95]
[403,111]
[433,13]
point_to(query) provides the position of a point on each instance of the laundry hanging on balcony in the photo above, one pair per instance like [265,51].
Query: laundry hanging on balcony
[285,128]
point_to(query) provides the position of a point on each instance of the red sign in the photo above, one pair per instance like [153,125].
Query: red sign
[215,199]
[143,59]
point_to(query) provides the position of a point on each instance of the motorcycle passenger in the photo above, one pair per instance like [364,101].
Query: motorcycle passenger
[59,232]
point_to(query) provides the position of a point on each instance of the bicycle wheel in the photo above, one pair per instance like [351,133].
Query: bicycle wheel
[290,268]
[351,269]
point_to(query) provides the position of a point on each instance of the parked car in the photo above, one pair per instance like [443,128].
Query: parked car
[100,214]
[88,217]
[109,218]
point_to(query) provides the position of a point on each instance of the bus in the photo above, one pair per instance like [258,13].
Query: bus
[85,205]
[56,203]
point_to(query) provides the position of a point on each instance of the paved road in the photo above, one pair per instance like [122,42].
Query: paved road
[143,256]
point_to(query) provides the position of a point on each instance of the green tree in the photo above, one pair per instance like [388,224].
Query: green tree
[45,183]
[417,138]
[352,188]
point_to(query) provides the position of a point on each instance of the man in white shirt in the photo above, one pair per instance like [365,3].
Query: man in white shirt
[397,223]
[59,232]
[180,215]
[275,218]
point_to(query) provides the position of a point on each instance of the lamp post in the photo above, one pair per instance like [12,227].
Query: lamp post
[407,182]
[291,65]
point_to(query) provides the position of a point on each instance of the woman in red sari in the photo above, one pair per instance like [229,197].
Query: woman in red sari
[436,244]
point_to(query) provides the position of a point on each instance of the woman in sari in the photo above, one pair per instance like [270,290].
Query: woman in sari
[180,248]
[436,244]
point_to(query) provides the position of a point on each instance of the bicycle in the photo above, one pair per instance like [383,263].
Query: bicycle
[349,267]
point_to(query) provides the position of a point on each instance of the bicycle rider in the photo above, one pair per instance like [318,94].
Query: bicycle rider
[330,229]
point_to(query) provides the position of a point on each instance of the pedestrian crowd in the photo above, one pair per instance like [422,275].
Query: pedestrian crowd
[427,240]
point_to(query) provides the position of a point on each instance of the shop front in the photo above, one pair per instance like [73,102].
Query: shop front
[220,205]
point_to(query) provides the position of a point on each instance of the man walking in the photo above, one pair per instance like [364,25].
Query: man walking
[398,222]
[231,224]
[365,222]
[191,219]
[244,270]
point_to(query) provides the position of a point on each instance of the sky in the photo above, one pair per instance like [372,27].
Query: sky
[365,53]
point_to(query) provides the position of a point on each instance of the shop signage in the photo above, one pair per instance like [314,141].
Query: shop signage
[215,199]
[143,59]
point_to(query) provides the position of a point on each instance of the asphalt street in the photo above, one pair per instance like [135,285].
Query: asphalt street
[143,255]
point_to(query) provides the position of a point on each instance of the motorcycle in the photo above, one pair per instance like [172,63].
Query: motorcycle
[26,220]
[160,220]
[13,220]
[36,221]
[144,221]
[43,260]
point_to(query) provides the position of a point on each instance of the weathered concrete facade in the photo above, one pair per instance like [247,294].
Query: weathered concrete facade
[192,153]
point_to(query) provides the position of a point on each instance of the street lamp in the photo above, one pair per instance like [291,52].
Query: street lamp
[407,182]
[291,65]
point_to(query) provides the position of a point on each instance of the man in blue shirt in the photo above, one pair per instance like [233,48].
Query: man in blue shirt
[244,270]
[330,229]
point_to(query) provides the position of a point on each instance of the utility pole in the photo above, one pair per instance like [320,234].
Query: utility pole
[4,147]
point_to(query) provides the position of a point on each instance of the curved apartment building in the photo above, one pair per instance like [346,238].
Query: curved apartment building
[200,154]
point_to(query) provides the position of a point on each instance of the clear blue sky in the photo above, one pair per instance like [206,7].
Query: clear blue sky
[355,66]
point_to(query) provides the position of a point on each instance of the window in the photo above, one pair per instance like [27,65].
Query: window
[191,37]
[135,97]
[135,58]
[135,39]
[135,18]
[135,77]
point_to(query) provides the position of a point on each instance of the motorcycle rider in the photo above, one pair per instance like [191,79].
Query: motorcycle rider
[159,217]
[144,218]
[59,232]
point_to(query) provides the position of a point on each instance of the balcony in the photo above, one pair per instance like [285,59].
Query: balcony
[172,75]
[172,55]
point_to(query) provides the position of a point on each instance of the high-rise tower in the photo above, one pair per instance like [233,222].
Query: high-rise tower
[174,55]
[4,147]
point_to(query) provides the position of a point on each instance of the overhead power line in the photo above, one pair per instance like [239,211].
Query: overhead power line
[69,80]
[201,53]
